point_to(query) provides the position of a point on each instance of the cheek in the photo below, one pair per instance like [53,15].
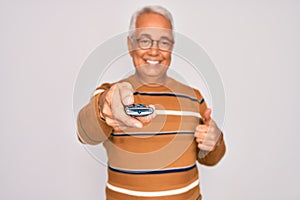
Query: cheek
[138,54]
[167,57]
[136,57]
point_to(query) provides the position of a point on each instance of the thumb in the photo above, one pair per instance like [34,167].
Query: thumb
[206,116]
[126,93]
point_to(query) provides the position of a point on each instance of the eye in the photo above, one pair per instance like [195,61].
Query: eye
[165,42]
[144,41]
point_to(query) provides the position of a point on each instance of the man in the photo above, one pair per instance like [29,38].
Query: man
[152,157]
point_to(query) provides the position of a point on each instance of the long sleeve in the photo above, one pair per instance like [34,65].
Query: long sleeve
[213,157]
[91,128]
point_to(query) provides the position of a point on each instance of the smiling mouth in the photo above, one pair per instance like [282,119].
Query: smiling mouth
[152,62]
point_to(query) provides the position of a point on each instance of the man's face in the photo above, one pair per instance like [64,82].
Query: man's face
[151,61]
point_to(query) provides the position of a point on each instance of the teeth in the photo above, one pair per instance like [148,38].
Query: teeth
[152,62]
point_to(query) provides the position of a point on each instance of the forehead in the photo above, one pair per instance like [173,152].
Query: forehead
[153,24]
[152,20]
[154,33]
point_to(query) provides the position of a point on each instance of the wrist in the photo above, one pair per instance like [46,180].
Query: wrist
[98,94]
[219,140]
[101,105]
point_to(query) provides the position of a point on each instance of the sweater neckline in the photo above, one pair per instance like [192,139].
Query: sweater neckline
[136,84]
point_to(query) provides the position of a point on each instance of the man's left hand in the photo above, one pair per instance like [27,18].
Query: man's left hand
[208,134]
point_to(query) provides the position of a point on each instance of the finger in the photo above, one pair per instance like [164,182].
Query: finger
[126,93]
[201,133]
[201,136]
[205,147]
[114,101]
[131,122]
[209,136]
[110,95]
[145,120]
[199,140]
[106,111]
[202,128]
[207,116]
[112,123]
[148,119]
[123,123]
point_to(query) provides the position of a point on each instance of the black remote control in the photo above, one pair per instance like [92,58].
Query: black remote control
[138,110]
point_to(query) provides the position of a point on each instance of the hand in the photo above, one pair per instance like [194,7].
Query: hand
[112,107]
[208,134]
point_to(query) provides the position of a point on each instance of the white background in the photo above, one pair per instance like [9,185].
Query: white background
[254,44]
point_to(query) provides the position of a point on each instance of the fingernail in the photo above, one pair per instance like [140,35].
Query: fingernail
[154,115]
[138,125]
[128,100]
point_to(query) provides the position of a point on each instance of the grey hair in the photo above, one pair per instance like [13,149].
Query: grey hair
[149,9]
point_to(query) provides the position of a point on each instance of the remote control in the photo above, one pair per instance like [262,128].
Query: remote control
[138,110]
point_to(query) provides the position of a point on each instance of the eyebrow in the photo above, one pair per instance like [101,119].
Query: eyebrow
[162,37]
[165,37]
[145,35]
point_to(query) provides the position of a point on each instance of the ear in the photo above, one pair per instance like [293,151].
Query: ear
[129,45]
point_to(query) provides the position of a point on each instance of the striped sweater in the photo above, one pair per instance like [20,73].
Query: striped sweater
[157,161]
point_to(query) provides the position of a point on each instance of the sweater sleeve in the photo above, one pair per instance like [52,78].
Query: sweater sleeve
[91,128]
[213,157]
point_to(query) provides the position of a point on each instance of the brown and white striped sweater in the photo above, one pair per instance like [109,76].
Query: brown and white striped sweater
[158,161]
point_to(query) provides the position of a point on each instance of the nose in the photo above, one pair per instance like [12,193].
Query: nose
[153,51]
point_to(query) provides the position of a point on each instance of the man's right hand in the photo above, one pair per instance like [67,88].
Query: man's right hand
[112,104]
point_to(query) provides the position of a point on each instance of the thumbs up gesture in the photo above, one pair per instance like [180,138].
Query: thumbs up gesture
[207,135]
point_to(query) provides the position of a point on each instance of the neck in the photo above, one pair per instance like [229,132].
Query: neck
[152,81]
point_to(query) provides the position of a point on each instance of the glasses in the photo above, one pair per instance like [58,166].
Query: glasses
[163,44]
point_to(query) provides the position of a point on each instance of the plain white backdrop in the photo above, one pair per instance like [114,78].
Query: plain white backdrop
[255,46]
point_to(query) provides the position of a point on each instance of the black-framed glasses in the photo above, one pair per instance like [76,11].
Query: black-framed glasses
[164,43]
